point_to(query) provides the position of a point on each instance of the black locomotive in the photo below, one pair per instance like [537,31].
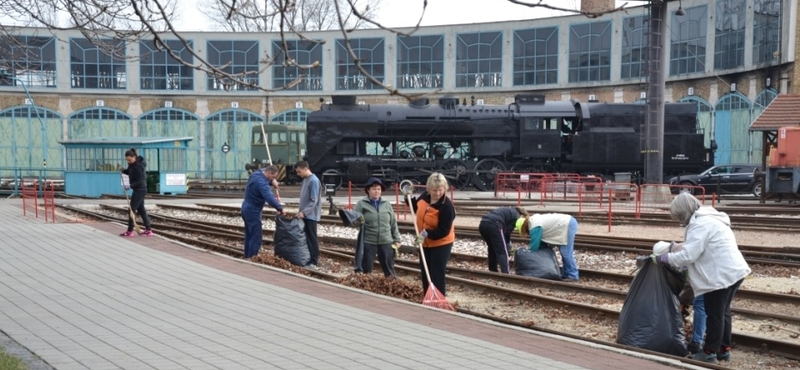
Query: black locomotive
[470,143]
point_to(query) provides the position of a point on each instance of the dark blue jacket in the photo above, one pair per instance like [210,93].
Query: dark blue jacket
[136,174]
[258,192]
[504,217]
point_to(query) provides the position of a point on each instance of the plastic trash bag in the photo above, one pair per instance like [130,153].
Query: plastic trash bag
[351,218]
[651,316]
[541,263]
[290,240]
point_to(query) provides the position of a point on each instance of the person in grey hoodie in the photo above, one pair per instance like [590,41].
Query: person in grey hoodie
[380,229]
[310,208]
[716,269]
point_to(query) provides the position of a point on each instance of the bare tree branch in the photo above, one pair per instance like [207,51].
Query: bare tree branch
[110,24]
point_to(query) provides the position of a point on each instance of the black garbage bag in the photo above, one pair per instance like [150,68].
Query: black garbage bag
[290,240]
[541,263]
[651,315]
[351,218]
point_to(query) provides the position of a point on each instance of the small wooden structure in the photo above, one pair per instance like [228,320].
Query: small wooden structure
[93,165]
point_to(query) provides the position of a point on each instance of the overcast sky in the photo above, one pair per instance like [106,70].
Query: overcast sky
[405,13]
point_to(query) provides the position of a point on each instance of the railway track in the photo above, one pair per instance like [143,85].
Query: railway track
[787,256]
[477,279]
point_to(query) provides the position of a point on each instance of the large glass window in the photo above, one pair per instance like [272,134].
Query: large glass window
[30,59]
[99,122]
[634,47]
[729,40]
[420,62]
[766,30]
[479,59]
[536,56]
[295,117]
[239,58]
[590,52]
[688,41]
[97,65]
[290,76]
[160,71]
[371,56]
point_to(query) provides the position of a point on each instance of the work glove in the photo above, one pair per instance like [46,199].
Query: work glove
[641,261]
[421,237]
[396,250]
[662,259]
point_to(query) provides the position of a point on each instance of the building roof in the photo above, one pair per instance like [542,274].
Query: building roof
[781,112]
[125,140]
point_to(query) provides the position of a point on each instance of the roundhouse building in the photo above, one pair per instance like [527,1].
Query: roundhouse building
[730,57]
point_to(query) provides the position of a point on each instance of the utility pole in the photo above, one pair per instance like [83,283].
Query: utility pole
[653,133]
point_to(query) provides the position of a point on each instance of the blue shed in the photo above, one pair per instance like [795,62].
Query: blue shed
[93,165]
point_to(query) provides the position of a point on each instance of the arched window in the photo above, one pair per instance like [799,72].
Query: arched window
[99,122]
[21,141]
[232,127]
[704,115]
[175,122]
[731,129]
[294,117]
[763,100]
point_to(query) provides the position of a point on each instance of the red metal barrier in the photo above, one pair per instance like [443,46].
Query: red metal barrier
[49,201]
[29,196]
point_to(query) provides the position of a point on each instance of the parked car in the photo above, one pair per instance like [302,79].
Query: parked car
[722,179]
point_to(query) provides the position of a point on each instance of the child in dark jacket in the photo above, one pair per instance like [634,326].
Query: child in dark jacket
[138,183]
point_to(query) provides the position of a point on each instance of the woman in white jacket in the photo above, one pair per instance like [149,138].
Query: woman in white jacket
[716,269]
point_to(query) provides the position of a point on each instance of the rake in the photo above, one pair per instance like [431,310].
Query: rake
[130,210]
[433,297]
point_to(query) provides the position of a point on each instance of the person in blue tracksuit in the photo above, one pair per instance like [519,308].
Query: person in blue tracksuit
[258,192]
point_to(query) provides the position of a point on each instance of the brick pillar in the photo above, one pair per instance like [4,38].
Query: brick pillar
[592,6]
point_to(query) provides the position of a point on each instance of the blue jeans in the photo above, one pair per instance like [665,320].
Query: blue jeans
[699,321]
[570,270]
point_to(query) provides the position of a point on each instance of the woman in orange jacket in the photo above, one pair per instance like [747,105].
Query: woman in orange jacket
[435,215]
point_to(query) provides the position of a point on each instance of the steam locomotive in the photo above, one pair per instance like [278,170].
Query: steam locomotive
[470,144]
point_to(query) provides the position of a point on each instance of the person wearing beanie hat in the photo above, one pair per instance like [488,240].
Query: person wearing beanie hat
[380,233]
[495,228]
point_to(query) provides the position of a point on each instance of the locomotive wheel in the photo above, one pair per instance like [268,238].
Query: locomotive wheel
[456,173]
[331,176]
[485,173]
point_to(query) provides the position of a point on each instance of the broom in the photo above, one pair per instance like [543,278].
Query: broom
[130,210]
[433,297]
[269,155]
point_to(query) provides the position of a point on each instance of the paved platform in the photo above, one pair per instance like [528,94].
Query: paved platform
[80,297]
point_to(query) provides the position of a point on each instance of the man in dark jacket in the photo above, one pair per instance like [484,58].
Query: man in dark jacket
[257,192]
[495,228]
[138,183]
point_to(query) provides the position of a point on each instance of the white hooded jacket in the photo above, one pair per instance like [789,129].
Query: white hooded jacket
[710,252]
